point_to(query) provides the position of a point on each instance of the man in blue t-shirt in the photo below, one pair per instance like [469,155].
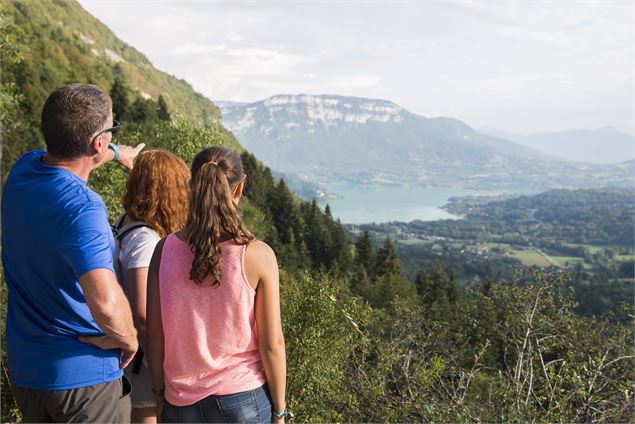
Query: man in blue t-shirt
[69,325]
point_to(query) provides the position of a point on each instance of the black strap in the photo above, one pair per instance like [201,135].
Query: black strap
[127,230]
[137,362]
[138,358]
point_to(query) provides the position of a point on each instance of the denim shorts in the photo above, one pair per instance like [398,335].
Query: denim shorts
[252,406]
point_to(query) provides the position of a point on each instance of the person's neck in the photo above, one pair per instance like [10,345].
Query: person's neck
[80,166]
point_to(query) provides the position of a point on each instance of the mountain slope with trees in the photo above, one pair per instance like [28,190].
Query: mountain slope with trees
[60,43]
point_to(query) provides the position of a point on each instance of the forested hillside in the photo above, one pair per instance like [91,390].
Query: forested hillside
[364,344]
[59,42]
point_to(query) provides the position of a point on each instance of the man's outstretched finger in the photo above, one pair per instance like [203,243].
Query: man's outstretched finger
[138,148]
[127,154]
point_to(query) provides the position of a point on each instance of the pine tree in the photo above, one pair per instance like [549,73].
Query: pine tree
[335,241]
[361,283]
[326,235]
[387,262]
[283,213]
[439,284]
[327,212]
[314,234]
[341,251]
[364,256]
[387,287]
[424,287]
[142,110]
[119,93]
[452,289]
[259,180]
[163,113]
[303,257]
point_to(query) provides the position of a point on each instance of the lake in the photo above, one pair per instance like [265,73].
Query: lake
[359,203]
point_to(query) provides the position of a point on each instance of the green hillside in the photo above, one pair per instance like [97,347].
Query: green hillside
[63,43]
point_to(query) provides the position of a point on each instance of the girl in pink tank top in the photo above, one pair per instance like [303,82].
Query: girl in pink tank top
[214,337]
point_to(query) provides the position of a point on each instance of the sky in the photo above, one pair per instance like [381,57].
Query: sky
[522,67]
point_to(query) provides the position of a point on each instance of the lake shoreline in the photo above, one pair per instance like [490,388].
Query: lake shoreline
[358,204]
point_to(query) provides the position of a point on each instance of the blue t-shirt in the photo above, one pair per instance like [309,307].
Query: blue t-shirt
[54,229]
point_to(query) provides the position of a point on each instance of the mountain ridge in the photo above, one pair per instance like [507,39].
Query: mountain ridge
[340,138]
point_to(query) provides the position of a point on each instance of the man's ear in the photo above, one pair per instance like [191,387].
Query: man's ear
[97,145]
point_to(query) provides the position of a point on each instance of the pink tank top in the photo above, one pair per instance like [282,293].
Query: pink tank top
[210,337]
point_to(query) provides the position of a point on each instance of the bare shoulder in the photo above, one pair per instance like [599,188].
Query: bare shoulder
[260,262]
[260,251]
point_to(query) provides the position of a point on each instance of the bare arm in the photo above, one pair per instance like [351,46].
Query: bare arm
[127,155]
[154,326]
[260,261]
[110,310]
[137,288]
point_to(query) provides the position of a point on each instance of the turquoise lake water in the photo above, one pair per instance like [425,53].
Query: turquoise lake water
[359,204]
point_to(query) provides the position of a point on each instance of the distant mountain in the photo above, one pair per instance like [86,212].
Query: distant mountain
[334,138]
[605,145]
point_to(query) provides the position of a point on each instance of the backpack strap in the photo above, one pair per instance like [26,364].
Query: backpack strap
[117,225]
[119,232]
[127,228]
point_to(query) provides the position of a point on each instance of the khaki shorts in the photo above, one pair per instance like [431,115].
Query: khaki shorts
[103,403]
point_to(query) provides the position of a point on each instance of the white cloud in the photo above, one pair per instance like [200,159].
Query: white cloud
[263,61]
[233,36]
[197,49]
[360,81]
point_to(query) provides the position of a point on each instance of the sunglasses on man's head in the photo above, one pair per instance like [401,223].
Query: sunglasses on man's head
[112,129]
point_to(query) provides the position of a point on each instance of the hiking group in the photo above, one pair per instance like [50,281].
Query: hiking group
[173,313]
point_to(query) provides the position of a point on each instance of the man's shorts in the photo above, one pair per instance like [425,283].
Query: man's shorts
[102,403]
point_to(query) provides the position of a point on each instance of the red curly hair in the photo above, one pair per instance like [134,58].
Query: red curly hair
[157,191]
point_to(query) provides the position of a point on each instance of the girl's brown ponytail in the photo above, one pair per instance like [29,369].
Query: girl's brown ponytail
[212,214]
